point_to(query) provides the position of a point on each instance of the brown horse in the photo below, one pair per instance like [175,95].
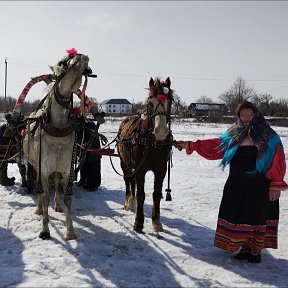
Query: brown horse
[144,144]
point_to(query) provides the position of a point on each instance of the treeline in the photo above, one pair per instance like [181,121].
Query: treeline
[240,91]
[9,104]
[237,93]
[28,106]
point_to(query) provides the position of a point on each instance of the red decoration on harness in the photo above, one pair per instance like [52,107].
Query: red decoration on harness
[77,111]
[161,98]
[72,51]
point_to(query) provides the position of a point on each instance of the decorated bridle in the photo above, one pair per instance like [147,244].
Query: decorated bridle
[62,68]
[65,65]
[164,95]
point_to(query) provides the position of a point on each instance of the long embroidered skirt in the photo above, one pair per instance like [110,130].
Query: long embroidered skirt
[246,216]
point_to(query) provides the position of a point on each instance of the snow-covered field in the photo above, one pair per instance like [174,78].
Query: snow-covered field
[108,253]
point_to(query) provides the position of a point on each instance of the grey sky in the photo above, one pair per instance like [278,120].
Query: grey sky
[203,46]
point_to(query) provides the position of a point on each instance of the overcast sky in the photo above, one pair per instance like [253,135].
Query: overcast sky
[203,46]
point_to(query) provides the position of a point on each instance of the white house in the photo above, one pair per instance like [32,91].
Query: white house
[116,106]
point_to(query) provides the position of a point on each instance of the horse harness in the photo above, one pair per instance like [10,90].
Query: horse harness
[147,140]
[59,132]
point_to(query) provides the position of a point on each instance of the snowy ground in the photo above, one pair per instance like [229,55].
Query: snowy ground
[108,253]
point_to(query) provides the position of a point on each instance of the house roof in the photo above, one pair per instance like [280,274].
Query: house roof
[115,101]
[208,106]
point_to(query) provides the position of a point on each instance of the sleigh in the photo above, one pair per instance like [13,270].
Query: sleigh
[9,153]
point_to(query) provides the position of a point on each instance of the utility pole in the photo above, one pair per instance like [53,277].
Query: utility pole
[5,90]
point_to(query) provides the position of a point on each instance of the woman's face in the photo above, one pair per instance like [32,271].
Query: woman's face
[246,115]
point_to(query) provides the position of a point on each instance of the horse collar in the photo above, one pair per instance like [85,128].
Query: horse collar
[58,132]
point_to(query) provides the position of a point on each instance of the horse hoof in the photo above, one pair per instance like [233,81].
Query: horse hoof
[44,235]
[38,211]
[70,236]
[157,229]
[138,230]
[127,208]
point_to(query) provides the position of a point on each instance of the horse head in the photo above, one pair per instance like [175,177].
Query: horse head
[159,106]
[69,71]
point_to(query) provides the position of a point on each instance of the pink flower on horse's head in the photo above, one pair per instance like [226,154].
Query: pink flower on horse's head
[161,98]
[71,51]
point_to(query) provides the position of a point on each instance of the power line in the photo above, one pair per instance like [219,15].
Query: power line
[15,62]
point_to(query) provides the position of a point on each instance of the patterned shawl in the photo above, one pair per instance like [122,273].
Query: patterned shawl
[262,135]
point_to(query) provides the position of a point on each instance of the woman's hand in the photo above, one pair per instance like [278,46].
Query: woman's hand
[181,144]
[188,145]
[274,194]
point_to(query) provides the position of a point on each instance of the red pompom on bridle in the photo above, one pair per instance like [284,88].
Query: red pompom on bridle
[161,98]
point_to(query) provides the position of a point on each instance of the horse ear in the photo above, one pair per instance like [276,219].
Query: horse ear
[51,67]
[151,82]
[168,82]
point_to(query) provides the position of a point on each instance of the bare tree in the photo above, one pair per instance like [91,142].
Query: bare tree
[138,107]
[279,108]
[204,99]
[10,103]
[262,101]
[237,93]
[177,105]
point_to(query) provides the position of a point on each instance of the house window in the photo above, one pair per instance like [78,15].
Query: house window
[109,110]
[109,106]
[114,110]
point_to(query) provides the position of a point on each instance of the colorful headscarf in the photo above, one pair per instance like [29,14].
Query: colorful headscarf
[262,135]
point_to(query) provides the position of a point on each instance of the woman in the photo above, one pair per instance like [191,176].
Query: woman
[249,210]
[90,171]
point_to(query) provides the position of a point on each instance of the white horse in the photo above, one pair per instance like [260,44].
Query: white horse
[49,141]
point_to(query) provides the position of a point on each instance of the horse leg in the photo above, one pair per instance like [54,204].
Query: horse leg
[140,196]
[31,178]
[133,191]
[45,233]
[57,205]
[157,195]
[130,194]
[129,204]
[22,170]
[39,209]
[70,234]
